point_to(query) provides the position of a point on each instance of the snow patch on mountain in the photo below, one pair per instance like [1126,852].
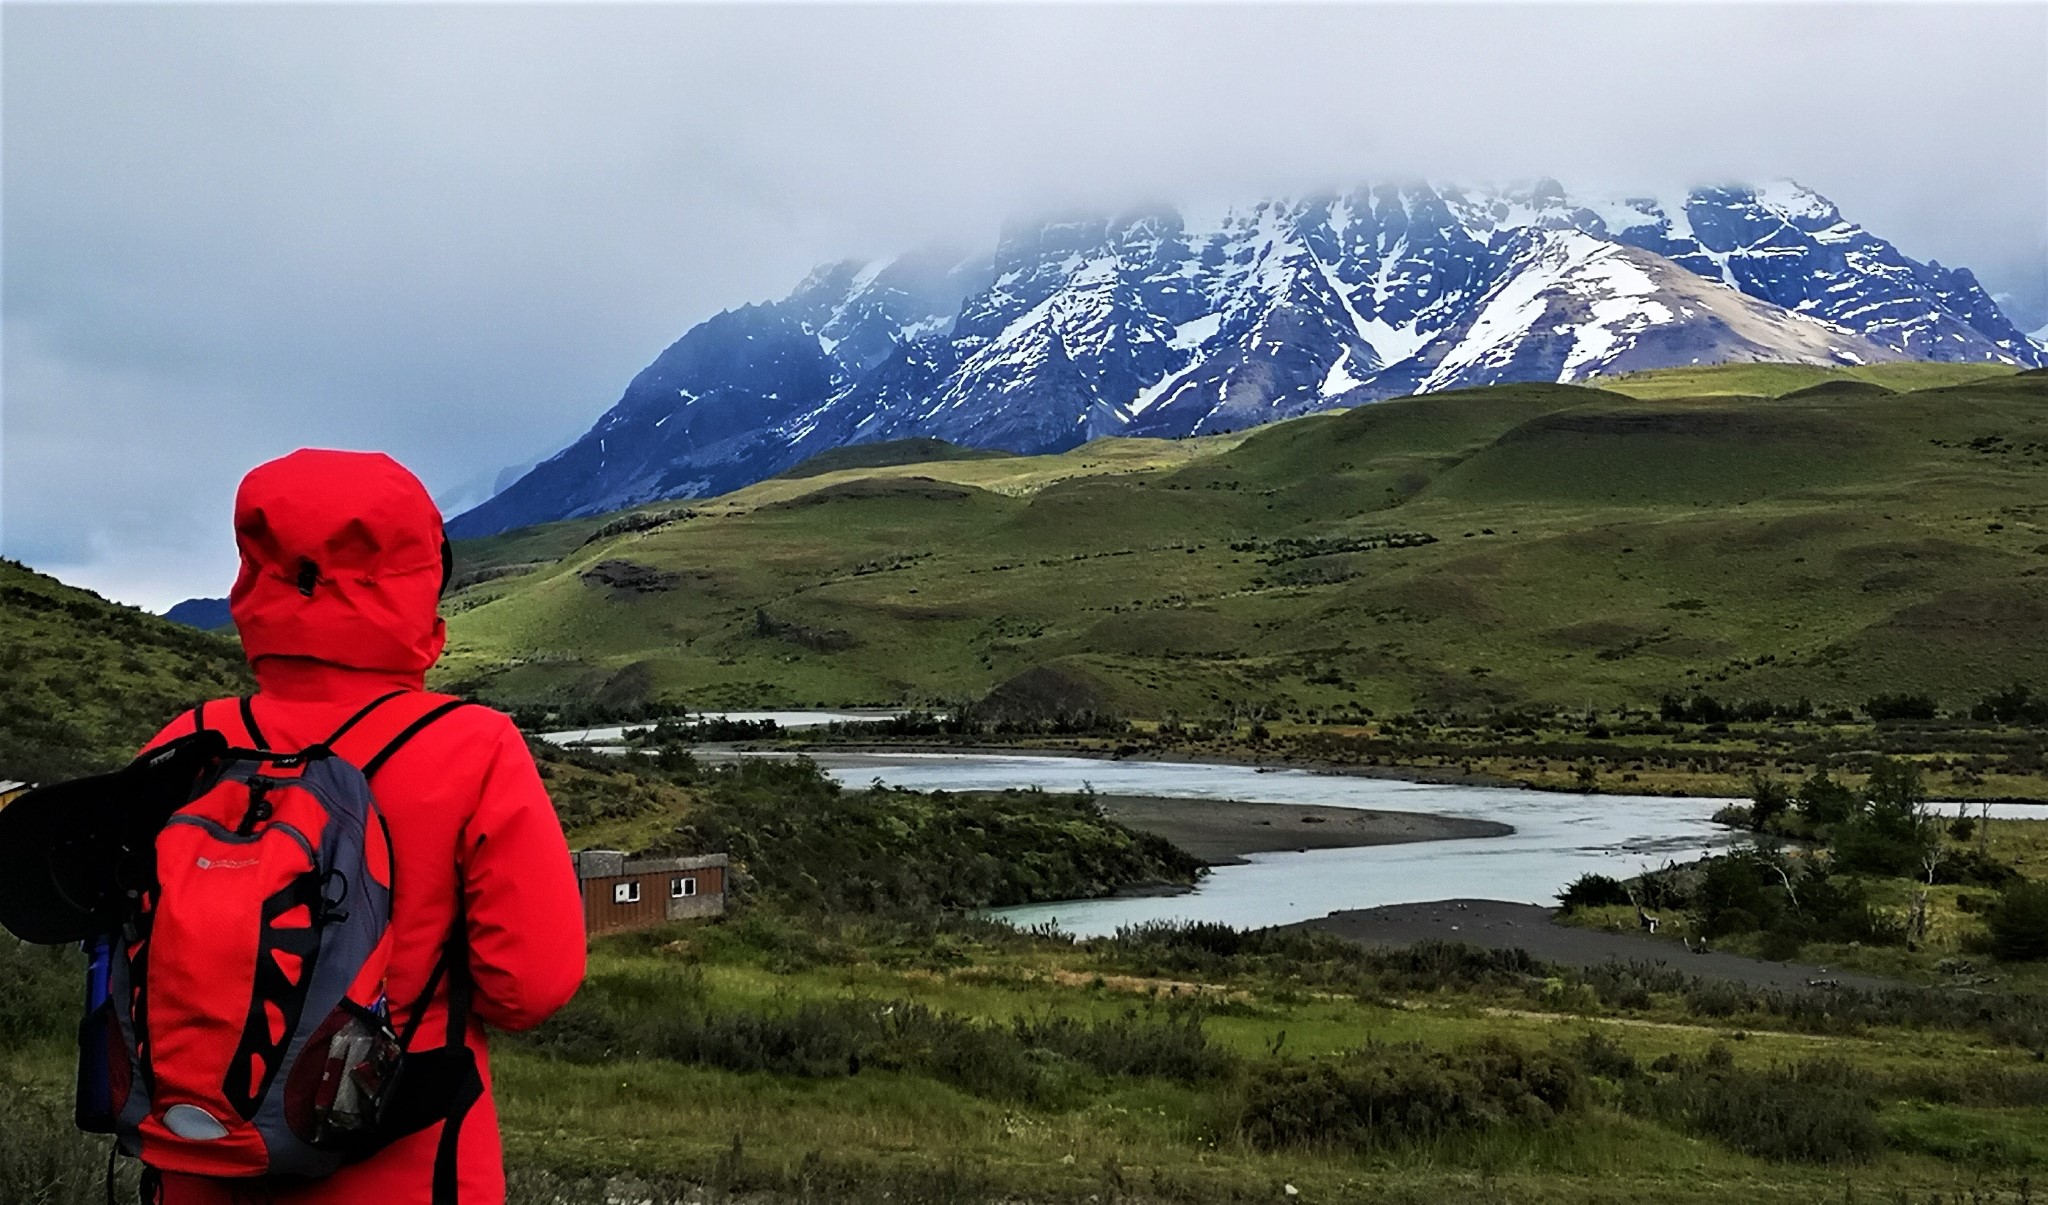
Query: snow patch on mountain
[1618,299]
[1169,323]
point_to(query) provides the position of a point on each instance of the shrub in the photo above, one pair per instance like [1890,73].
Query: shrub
[1822,800]
[1391,1095]
[1881,708]
[1176,1049]
[1768,800]
[1027,1059]
[1593,891]
[2016,704]
[1738,894]
[1892,833]
[1969,868]
[2019,922]
[1816,1112]
[1839,910]
[1599,1054]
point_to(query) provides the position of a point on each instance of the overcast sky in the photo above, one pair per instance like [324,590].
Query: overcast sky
[455,233]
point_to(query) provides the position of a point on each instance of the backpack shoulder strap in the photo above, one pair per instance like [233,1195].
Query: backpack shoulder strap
[256,741]
[352,739]
[410,731]
[256,738]
[361,715]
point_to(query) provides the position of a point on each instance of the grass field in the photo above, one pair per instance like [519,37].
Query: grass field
[1519,545]
[1172,1139]
[863,1062]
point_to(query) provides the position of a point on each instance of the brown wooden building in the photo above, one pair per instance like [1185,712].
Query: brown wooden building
[639,893]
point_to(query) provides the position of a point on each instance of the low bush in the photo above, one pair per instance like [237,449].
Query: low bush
[2002,1086]
[1969,868]
[1892,707]
[2019,922]
[1029,1058]
[1815,1112]
[1382,1096]
[1593,891]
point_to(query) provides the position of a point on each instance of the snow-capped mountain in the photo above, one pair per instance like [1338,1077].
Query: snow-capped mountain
[1162,323]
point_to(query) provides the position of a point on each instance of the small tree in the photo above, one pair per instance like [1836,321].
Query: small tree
[2019,921]
[1892,833]
[1768,800]
[1823,801]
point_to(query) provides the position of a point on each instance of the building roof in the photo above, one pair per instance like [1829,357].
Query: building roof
[612,863]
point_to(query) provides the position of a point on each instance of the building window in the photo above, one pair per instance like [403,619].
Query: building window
[625,893]
[682,885]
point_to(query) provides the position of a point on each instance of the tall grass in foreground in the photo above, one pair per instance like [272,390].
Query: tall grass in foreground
[44,1160]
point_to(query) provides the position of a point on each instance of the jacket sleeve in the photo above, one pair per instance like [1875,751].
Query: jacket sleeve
[526,938]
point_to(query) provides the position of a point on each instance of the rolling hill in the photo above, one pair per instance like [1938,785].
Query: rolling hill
[83,681]
[1768,531]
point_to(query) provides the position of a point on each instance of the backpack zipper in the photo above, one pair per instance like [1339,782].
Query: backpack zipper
[259,808]
[224,833]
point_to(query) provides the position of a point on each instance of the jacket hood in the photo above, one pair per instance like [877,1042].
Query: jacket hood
[341,563]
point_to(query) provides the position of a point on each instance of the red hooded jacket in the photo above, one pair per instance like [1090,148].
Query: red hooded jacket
[337,604]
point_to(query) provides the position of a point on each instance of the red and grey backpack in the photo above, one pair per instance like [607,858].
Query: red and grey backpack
[238,1024]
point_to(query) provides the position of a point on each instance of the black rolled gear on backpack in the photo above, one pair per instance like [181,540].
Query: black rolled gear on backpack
[74,855]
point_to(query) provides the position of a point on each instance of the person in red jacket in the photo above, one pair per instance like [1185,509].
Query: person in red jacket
[343,565]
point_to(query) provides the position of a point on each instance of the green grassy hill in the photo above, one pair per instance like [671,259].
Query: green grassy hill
[1776,380]
[83,682]
[1517,544]
[887,453]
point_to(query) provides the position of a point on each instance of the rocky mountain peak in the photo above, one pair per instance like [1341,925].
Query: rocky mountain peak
[1157,322]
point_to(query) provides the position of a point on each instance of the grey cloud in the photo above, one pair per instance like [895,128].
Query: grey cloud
[456,232]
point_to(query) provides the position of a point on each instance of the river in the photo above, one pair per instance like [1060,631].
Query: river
[1557,836]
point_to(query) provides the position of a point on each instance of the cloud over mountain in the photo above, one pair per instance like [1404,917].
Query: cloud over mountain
[1158,323]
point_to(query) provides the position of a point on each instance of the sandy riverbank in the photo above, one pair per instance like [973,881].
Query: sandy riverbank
[1222,831]
[1497,925]
[825,753]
